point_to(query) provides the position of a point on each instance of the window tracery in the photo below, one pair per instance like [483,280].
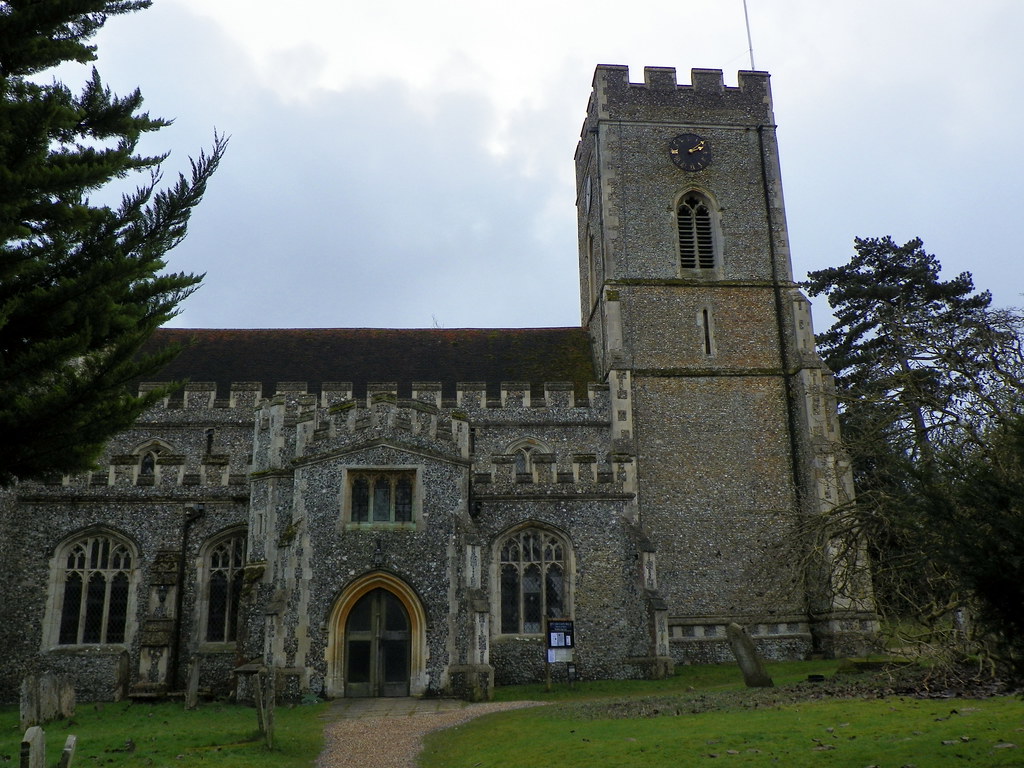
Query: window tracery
[92,590]
[225,564]
[533,580]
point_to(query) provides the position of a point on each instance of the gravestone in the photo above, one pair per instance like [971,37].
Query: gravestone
[33,748]
[754,674]
[49,703]
[124,677]
[28,702]
[45,698]
[66,699]
[192,689]
[68,754]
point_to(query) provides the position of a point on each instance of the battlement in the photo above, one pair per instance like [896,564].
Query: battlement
[295,425]
[337,417]
[418,422]
[660,97]
[555,475]
[202,395]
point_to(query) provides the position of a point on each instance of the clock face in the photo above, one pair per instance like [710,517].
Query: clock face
[690,152]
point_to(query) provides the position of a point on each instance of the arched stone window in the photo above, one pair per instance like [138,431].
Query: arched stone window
[149,453]
[147,464]
[524,459]
[695,222]
[525,452]
[93,590]
[533,580]
[224,563]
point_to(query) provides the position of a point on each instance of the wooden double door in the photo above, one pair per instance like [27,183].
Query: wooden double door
[377,647]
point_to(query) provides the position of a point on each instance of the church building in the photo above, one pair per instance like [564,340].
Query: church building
[402,512]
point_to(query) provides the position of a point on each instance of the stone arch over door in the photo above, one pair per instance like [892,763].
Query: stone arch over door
[339,620]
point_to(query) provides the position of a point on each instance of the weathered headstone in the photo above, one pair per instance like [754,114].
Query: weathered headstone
[29,701]
[33,748]
[49,701]
[45,698]
[68,754]
[192,689]
[754,674]
[124,677]
[65,698]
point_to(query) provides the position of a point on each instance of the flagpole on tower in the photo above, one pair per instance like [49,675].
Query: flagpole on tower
[750,43]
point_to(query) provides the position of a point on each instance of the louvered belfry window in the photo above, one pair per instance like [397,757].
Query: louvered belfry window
[696,241]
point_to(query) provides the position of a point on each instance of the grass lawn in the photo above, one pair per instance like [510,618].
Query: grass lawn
[166,735]
[704,716]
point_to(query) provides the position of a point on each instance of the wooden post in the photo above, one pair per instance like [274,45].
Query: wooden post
[547,659]
[257,694]
[270,700]
[255,673]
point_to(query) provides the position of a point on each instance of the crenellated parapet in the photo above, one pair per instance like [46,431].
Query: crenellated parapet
[202,395]
[660,95]
[553,475]
[299,427]
[519,403]
[198,396]
[382,416]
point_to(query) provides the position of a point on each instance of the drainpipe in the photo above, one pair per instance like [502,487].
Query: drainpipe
[192,515]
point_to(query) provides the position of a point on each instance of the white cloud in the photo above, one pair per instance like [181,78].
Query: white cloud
[394,162]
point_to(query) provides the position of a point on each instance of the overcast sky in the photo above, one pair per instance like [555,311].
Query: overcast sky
[409,164]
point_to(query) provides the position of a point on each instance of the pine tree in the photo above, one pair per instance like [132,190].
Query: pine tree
[984,529]
[911,347]
[82,285]
[928,374]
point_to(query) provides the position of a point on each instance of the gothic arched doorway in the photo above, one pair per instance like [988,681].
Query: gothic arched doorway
[376,643]
[377,646]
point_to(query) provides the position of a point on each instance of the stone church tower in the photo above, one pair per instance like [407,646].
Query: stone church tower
[698,328]
[382,512]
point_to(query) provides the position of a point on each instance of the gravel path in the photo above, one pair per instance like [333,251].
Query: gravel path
[394,742]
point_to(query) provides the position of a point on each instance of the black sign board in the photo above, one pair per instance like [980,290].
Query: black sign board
[560,633]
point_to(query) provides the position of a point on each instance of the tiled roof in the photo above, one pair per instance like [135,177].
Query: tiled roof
[362,355]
